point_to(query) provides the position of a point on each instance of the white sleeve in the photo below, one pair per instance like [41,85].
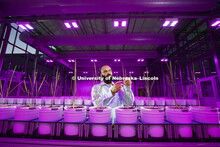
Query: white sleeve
[100,98]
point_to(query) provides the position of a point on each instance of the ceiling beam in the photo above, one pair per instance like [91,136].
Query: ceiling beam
[100,39]
[108,54]
[61,17]
[51,7]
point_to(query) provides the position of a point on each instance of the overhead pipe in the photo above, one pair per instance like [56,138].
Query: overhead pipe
[102,39]
[51,7]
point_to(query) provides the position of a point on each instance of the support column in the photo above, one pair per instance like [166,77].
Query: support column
[2,32]
[4,47]
[216,53]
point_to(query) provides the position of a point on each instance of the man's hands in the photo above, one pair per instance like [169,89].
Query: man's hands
[127,82]
[117,86]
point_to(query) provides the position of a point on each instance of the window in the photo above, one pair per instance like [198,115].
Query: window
[20,43]
[18,51]
[31,50]
[207,90]
[12,36]
[9,49]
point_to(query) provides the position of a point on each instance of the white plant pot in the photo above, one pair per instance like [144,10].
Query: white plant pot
[7,111]
[24,113]
[153,116]
[48,101]
[160,102]
[152,102]
[58,101]
[181,102]
[170,102]
[48,114]
[191,102]
[78,102]
[78,114]
[207,115]
[68,102]
[30,101]
[11,101]
[20,101]
[180,116]
[139,102]
[126,116]
[39,101]
[3,100]
[99,115]
[87,102]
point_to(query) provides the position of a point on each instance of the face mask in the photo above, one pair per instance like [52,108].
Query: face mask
[107,79]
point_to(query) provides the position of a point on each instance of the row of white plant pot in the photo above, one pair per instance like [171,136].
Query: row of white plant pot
[156,115]
[164,102]
[39,101]
[138,102]
[124,115]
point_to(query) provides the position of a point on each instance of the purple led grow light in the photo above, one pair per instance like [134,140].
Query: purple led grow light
[71,60]
[93,60]
[164,60]
[49,61]
[140,60]
[170,22]
[29,26]
[75,25]
[116,23]
[117,60]
[68,24]
[25,26]
[216,22]
[124,23]
[166,23]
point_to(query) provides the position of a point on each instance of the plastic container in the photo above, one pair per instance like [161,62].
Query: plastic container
[180,116]
[99,115]
[39,101]
[48,101]
[126,115]
[160,102]
[181,102]
[207,115]
[11,100]
[58,101]
[48,114]
[24,113]
[7,111]
[152,102]
[170,102]
[20,101]
[78,114]
[154,115]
